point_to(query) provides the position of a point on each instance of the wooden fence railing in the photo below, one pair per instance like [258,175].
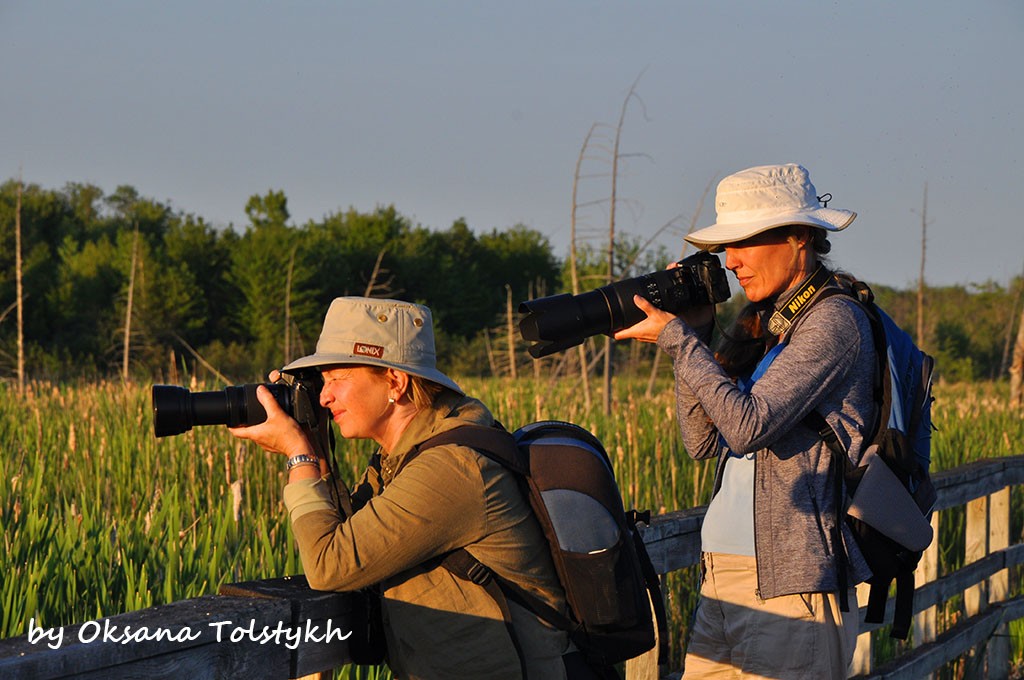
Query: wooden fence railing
[281,629]
[673,541]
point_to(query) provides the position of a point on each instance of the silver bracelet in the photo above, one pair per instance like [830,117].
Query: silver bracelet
[302,459]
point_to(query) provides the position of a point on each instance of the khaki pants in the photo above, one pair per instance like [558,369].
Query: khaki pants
[736,634]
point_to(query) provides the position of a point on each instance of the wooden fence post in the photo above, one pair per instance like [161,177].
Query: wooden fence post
[863,656]
[999,583]
[927,571]
[976,547]
[645,666]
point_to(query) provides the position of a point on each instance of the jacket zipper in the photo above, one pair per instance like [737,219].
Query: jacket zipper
[757,571]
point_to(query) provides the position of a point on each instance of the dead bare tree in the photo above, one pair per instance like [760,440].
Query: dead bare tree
[920,278]
[511,332]
[8,309]
[573,274]
[541,291]
[682,253]
[608,364]
[288,307]
[19,293]
[490,353]
[375,288]
[497,338]
[199,358]
[610,151]
[1004,363]
[1017,369]
[126,348]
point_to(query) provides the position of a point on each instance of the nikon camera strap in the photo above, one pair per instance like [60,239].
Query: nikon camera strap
[782,319]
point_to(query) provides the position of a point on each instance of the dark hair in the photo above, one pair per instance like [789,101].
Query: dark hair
[822,246]
[817,237]
[739,349]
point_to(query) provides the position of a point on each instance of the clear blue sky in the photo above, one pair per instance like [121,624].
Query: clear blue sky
[479,109]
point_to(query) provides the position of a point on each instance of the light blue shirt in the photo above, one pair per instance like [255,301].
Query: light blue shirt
[729,522]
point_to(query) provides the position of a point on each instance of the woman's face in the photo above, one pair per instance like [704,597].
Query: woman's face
[357,397]
[771,262]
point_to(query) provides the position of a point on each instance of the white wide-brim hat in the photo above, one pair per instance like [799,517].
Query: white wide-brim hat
[762,198]
[377,332]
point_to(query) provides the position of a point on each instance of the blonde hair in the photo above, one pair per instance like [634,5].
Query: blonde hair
[421,392]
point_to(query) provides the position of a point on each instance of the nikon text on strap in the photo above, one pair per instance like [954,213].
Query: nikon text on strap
[782,319]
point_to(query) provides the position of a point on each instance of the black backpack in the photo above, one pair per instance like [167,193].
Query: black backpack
[889,497]
[611,588]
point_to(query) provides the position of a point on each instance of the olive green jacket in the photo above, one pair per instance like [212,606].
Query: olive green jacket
[417,508]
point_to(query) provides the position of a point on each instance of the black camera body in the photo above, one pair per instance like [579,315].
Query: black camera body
[559,322]
[177,410]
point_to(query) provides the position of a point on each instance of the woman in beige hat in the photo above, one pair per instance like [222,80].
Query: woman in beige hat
[777,567]
[381,383]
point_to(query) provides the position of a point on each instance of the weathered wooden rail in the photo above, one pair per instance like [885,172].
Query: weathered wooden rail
[984,487]
[282,629]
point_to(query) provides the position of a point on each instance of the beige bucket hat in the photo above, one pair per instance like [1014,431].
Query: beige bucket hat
[376,332]
[765,197]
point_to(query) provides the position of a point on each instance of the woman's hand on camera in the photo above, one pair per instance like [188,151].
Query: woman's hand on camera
[279,433]
[650,328]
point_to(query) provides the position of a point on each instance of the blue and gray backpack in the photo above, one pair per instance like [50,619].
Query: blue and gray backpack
[889,497]
[613,595]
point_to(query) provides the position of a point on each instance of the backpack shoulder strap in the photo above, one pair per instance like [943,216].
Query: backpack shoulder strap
[494,442]
[500,446]
[463,565]
[840,467]
[861,293]
[653,585]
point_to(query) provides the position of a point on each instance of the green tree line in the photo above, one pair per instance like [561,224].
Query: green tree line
[242,300]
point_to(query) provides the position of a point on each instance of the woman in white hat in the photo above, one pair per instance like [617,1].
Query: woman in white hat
[381,383]
[776,572]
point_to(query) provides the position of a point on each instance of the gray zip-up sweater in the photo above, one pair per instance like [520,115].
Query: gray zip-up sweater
[828,365]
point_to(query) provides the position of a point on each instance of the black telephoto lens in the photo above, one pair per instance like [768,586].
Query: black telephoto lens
[176,410]
[559,322]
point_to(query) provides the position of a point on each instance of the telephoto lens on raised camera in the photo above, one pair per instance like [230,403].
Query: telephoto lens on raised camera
[559,322]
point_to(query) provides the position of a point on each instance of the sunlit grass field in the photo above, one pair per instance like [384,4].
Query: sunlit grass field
[99,517]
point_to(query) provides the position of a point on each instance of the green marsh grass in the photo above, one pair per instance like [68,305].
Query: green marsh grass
[99,517]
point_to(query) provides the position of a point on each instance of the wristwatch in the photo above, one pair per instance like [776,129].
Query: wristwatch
[302,459]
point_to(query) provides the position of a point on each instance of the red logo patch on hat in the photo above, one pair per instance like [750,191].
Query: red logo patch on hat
[375,351]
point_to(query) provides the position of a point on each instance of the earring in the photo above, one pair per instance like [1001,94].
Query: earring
[391,400]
